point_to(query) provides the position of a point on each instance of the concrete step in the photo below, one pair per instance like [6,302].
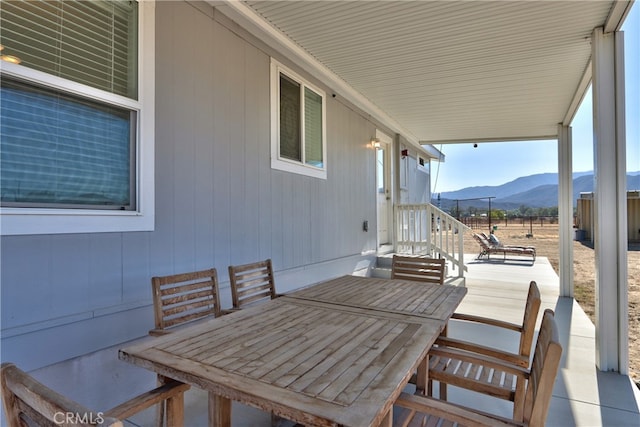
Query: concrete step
[381,272]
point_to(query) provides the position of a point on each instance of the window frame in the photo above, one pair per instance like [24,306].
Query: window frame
[282,163]
[27,221]
[423,164]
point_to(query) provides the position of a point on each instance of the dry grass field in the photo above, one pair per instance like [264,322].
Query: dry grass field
[545,239]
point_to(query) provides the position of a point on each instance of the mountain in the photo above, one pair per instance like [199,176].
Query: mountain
[536,191]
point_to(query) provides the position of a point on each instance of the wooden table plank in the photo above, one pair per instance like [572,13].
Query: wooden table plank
[401,296]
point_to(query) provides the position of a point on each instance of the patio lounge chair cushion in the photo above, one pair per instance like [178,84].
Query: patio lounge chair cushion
[421,410]
[460,363]
[29,402]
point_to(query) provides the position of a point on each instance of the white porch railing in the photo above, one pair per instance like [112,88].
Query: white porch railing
[425,229]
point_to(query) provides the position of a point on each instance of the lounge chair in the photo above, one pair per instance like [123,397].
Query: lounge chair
[486,248]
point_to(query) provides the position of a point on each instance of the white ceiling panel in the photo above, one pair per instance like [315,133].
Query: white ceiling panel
[451,70]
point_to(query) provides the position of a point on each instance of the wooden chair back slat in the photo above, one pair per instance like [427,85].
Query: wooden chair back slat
[185,297]
[251,283]
[418,268]
[531,310]
[544,368]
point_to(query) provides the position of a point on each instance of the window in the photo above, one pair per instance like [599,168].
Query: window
[76,145]
[298,124]
[422,164]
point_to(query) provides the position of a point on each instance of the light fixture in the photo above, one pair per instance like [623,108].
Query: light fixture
[9,58]
[375,143]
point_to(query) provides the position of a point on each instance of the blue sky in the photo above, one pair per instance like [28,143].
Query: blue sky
[515,159]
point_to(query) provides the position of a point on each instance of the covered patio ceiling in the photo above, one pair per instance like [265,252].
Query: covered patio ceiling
[443,71]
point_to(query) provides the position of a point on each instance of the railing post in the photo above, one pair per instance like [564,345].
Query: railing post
[460,252]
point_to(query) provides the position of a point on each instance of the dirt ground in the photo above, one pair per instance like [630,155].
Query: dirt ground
[545,239]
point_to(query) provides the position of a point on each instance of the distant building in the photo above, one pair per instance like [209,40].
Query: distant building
[584,216]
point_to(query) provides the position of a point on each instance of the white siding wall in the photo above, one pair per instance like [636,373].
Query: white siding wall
[217,202]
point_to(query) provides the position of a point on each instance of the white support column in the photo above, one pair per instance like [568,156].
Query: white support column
[610,202]
[565,210]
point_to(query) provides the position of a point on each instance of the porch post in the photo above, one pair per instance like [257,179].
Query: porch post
[565,210]
[610,202]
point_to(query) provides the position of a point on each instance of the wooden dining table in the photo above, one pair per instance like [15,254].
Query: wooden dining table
[317,356]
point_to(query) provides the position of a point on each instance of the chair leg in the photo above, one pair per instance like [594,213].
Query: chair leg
[175,411]
[518,401]
[443,391]
[160,409]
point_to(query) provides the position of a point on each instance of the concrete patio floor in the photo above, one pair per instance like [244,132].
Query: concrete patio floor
[582,395]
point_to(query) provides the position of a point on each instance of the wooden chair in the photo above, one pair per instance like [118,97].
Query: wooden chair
[421,410]
[179,299]
[418,268]
[462,363]
[183,298]
[252,283]
[28,402]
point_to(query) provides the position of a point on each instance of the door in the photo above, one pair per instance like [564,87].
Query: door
[383,189]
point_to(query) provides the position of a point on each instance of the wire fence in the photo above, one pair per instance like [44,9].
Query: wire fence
[484,223]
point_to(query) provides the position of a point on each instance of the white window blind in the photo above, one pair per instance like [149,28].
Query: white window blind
[60,150]
[313,128]
[89,42]
[290,141]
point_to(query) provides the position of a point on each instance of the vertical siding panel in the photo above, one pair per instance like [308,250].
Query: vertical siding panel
[235,104]
[221,167]
[203,122]
[322,224]
[314,202]
[136,273]
[26,279]
[250,162]
[69,277]
[287,220]
[105,270]
[161,241]
[277,222]
[262,101]
[336,123]
[186,80]
[302,237]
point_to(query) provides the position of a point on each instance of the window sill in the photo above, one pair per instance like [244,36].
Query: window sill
[15,221]
[298,168]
